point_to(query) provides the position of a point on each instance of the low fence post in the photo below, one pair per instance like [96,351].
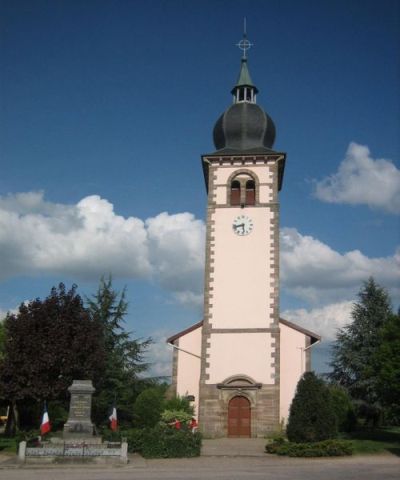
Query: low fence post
[22,451]
[124,452]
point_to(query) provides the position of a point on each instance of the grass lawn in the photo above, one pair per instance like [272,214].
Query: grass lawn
[7,445]
[375,441]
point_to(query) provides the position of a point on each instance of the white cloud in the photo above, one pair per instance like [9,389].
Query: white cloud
[160,355]
[176,253]
[362,180]
[315,272]
[324,321]
[89,239]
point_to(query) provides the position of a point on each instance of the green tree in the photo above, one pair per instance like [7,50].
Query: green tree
[343,408]
[386,364]
[311,415]
[356,346]
[121,381]
[48,344]
[2,339]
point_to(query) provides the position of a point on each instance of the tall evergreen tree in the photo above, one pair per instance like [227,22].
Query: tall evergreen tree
[2,338]
[356,343]
[124,354]
[386,365]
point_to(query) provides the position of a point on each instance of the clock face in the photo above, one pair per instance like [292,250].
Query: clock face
[242,225]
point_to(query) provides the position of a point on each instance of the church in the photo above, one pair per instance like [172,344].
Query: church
[240,365]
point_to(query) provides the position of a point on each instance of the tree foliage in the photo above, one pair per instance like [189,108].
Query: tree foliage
[48,343]
[357,343]
[311,416]
[386,364]
[148,407]
[125,361]
[2,339]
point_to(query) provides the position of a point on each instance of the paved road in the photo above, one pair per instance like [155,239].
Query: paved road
[385,467]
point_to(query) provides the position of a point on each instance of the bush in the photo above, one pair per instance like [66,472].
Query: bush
[343,408]
[148,407]
[133,437]
[327,448]
[311,416]
[166,442]
[169,416]
[179,403]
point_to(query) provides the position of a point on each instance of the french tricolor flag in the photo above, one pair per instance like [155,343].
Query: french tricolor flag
[113,419]
[45,426]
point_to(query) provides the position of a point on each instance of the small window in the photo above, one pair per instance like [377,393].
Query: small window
[235,193]
[250,192]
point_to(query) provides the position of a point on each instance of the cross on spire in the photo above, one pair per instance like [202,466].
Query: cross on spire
[244,44]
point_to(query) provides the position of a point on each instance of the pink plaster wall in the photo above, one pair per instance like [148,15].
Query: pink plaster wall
[240,353]
[189,366]
[292,366]
[242,272]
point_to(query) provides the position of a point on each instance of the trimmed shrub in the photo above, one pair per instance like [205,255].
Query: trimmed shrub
[133,437]
[327,448]
[148,407]
[166,442]
[311,417]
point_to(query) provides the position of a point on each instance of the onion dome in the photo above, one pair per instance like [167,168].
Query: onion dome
[244,127]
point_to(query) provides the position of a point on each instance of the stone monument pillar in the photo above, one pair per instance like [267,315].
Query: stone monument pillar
[79,424]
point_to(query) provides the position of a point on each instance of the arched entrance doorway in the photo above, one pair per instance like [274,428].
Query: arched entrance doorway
[239,417]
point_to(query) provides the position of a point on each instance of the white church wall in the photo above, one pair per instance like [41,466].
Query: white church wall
[292,366]
[240,353]
[188,376]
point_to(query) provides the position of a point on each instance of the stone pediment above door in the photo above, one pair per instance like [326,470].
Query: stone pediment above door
[238,382]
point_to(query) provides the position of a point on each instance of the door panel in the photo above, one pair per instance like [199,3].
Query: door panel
[239,417]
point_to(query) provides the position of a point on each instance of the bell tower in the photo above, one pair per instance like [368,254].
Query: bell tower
[240,346]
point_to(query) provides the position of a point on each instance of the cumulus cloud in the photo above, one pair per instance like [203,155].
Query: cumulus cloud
[160,355]
[362,180]
[324,321]
[315,272]
[89,239]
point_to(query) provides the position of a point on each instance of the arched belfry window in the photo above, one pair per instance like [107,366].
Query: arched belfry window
[250,192]
[235,193]
[242,189]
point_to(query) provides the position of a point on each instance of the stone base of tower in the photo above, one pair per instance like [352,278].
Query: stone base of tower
[215,410]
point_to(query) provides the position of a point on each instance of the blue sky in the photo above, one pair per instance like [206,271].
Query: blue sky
[107,106]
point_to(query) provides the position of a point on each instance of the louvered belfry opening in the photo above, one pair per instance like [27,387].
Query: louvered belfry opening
[250,192]
[235,192]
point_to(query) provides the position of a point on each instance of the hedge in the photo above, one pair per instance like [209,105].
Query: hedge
[167,442]
[327,448]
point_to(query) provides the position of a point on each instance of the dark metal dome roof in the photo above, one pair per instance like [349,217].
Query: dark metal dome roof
[244,127]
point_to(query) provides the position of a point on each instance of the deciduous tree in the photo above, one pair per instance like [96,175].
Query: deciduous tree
[48,344]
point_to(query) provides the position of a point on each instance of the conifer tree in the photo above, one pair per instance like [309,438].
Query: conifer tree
[356,344]
[311,416]
[124,355]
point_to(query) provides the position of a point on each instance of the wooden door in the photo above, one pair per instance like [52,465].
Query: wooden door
[239,417]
